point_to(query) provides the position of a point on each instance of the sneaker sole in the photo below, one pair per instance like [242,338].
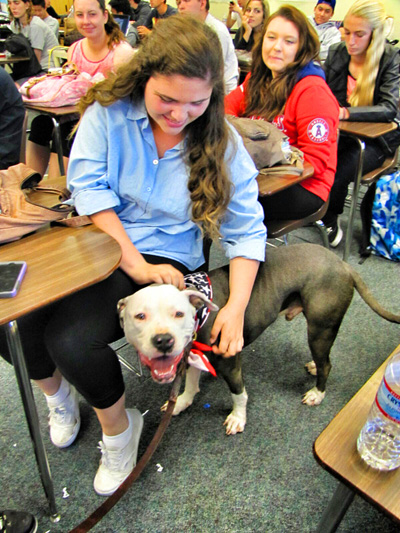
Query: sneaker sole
[137,421]
[337,239]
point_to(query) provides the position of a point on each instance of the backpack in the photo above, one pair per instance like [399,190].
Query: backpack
[60,87]
[268,147]
[18,45]
[385,227]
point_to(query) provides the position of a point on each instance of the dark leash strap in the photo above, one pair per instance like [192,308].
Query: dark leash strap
[109,503]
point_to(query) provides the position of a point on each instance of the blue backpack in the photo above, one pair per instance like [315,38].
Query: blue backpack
[385,227]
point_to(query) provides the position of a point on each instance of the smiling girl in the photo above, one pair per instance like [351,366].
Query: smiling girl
[287,86]
[102,50]
[255,13]
[156,166]
[363,74]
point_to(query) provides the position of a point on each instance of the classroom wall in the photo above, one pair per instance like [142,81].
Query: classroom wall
[220,10]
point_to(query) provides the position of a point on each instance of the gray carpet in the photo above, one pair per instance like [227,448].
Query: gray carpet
[264,480]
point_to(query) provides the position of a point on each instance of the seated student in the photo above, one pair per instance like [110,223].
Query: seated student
[288,88]
[39,10]
[200,9]
[255,13]
[160,10]
[235,14]
[140,11]
[363,74]
[12,115]
[38,33]
[327,31]
[103,49]
[122,7]
[154,165]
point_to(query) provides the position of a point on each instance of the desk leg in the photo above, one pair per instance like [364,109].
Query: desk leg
[353,207]
[57,138]
[336,509]
[18,360]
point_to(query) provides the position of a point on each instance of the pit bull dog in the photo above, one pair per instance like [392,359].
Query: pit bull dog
[159,319]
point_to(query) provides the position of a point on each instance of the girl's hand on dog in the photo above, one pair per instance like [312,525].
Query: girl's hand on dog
[144,273]
[229,325]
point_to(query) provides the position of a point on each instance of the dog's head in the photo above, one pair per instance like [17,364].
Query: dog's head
[159,322]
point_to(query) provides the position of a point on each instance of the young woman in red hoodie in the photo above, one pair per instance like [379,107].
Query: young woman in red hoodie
[287,86]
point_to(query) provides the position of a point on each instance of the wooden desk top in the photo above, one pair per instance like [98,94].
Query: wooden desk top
[12,59]
[269,184]
[61,261]
[335,449]
[371,130]
[53,111]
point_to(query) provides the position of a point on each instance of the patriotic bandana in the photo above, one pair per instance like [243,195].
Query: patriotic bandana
[200,282]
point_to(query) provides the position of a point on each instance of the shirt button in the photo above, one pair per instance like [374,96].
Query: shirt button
[155,161]
[148,189]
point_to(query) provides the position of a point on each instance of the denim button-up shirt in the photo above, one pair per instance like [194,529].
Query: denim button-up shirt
[114,165]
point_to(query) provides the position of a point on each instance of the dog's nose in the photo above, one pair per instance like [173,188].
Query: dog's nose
[164,342]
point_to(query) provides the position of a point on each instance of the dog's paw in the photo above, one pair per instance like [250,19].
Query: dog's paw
[234,424]
[182,403]
[311,368]
[313,397]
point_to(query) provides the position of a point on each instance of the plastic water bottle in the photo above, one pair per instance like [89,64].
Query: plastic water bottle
[379,440]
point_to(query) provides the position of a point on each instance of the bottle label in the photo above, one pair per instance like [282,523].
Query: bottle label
[388,402]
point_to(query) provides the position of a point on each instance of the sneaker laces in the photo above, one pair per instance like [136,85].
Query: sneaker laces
[111,459]
[60,415]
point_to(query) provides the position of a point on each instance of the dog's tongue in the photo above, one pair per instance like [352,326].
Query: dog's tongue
[163,369]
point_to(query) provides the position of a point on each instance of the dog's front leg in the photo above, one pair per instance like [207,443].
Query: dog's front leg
[185,399]
[236,420]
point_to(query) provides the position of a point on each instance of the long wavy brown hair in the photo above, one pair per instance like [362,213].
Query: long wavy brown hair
[29,14]
[266,96]
[183,45]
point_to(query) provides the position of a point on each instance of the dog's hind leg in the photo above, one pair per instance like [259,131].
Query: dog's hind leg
[185,399]
[320,340]
[231,370]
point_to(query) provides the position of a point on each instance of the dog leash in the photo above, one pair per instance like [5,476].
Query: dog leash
[109,503]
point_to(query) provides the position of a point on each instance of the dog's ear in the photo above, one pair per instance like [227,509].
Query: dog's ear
[121,310]
[198,300]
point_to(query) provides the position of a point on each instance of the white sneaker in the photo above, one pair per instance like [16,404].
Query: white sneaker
[117,463]
[65,420]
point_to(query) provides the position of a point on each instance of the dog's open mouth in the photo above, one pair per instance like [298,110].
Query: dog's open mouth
[163,368]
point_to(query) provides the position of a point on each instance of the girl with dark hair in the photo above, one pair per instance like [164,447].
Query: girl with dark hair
[102,50]
[156,166]
[38,33]
[255,13]
[287,86]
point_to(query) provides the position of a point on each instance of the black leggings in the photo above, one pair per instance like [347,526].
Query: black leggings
[291,204]
[347,162]
[74,335]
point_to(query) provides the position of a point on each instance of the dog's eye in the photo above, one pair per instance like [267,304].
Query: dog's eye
[179,314]
[140,316]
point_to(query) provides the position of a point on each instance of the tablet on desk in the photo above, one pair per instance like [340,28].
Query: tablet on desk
[11,275]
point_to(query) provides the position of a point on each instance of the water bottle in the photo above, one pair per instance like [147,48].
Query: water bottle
[379,441]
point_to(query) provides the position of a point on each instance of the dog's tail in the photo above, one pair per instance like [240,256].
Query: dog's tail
[370,299]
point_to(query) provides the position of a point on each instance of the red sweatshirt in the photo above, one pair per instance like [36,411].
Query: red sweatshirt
[310,120]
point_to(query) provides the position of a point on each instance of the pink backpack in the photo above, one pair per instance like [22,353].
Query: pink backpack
[58,88]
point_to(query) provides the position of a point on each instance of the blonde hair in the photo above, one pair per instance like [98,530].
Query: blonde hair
[266,12]
[182,45]
[373,12]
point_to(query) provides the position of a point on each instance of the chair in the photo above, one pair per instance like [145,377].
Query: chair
[22,153]
[280,228]
[119,346]
[367,179]
[59,54]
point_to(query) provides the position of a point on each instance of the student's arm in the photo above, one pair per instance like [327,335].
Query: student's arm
[132,261]
[230,319]
[38,54]
[122,55]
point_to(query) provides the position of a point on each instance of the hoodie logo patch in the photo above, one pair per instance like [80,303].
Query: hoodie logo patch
[318,130]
